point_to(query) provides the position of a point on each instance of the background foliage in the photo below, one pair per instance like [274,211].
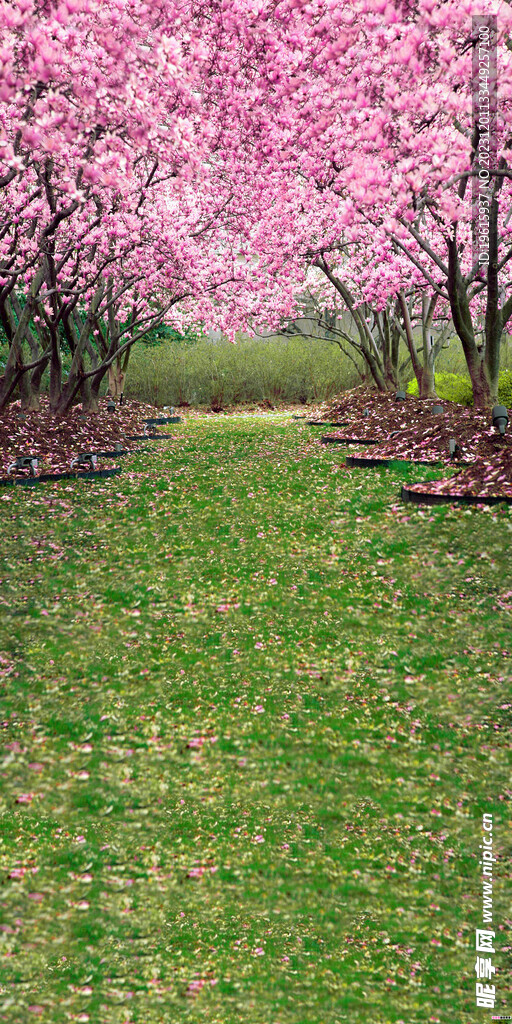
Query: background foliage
[294,369]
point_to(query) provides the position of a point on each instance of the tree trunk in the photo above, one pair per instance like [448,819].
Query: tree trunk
[29,393]
[426,382]
[90,403]
[116,378]
[482,398]
[493,314]
[85,393]
[14,368]
[95,384]
[425,378]
[375,370]
[38,344]
[389,357]
[55,370]
[463,323]
[75,379]
[424,374]
[367,346]
[395,345]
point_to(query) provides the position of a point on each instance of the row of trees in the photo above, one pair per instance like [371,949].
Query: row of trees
[175,163]
[376,334]
[115,214]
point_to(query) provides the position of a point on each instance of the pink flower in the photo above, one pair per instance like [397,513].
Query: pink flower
[195,986]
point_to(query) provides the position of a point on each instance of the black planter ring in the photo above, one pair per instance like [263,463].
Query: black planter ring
[44,478]
[349,440]
[325,423]
[160,420]
[361,460]
[424,498]
[111,455]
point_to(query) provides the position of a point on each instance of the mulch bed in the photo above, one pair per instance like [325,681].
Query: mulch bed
[485,478]
[55,444]
[408,431]
[409,494]
[403,427]
[475,436]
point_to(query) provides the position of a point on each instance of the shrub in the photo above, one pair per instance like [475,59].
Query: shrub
[456,387]
[218,373]
[453,387]
[505,388]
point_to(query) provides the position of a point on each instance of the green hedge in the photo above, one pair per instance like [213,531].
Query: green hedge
[218,373]
[456,387]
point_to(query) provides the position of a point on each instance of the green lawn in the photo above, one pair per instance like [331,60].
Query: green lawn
[253,710]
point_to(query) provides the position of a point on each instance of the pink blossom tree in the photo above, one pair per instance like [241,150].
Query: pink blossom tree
[113,207]
[156,155]
[375,112]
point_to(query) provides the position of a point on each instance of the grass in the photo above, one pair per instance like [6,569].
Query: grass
[253,710]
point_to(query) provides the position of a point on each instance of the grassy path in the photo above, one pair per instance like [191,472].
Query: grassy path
[253,714]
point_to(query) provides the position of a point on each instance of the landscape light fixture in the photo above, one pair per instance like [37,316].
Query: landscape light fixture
[499,418]
[454,448]
[437,409]
[111,406]
[87,459]
[29,462]
[366,412]
[400,396]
